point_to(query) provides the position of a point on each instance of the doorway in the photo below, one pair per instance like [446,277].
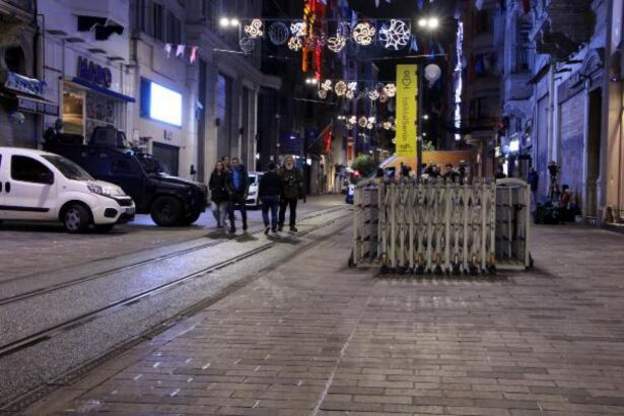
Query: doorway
[593,152]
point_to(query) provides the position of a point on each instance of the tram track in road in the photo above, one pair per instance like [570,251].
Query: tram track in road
[48,333]
[150,261]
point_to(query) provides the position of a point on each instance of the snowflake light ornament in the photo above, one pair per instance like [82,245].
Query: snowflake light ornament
[336,43]
[364,33]
[370,126]
[326,85]
[350,95]
[395,35]
[298,29]
[255,29]
[352,120]
[295,44]
[352,86]
[390,90]
[341,88]
[322,94]
[387,125]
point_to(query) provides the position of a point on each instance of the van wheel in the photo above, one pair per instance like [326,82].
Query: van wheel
[166,211]
[76,219]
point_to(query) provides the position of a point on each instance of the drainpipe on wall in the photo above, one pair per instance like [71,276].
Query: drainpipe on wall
[550,128]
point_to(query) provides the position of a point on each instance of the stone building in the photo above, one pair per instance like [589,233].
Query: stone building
[21,90]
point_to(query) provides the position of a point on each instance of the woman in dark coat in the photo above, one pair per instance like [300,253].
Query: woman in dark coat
[219,194]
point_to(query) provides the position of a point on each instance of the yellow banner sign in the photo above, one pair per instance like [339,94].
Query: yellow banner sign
[406,110]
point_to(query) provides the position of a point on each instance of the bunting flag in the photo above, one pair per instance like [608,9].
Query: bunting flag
[180,50]
[194,50]
[168,49]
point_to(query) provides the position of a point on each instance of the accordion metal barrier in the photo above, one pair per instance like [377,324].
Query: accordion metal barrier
[442,227]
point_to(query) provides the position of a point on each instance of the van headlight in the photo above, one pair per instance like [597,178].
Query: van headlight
[108,191]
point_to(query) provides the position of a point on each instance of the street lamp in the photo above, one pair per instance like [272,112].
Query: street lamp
[311,81]
[426,117]
[226,22]
[429,23]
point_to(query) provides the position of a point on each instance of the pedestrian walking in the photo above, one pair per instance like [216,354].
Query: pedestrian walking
[292,190]
[219,194]
[238,187]
[269,192]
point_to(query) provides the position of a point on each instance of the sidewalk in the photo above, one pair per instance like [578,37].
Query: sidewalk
[315,338]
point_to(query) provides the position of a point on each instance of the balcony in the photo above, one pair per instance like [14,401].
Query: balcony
[563,26]
[21,9]
[516,86]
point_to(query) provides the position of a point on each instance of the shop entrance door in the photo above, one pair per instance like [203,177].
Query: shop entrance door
[593,152]
[168,156]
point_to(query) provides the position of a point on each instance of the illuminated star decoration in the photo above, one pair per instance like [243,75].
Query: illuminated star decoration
[255,29]
[364,33]
[396,35]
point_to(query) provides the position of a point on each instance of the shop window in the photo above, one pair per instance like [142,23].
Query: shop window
[26,169]
[73,111]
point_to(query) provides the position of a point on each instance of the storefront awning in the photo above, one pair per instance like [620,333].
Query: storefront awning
[102,90]
[29,103]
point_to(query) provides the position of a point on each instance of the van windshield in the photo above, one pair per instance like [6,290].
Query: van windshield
[68,168]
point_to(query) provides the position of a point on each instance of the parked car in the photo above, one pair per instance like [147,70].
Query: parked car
[169,200]
[254,181]
[42,186]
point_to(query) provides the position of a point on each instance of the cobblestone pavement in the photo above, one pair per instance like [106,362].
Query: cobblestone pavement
[55,249]
[315,338]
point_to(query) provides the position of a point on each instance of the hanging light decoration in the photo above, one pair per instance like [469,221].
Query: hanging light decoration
[373,95]
[352,86]
[255,29]
[363,122]
[390,90]
[322,94]
[295,44]
[326,85]
[298,29]
[352,119]
[279,33]
[364,33]
[336,43]
[341,88]
[395,35]
[247,44]
[350,95]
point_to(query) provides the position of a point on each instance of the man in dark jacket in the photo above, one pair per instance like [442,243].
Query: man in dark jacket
[292,190]
[238,188]
[269,192]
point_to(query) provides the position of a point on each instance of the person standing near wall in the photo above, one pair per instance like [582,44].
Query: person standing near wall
[292,191]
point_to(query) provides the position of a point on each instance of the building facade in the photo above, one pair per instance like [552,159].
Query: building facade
[21,88]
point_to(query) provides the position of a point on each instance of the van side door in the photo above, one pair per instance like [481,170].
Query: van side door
[30,191]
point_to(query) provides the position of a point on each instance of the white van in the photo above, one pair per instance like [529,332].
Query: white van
[42,186]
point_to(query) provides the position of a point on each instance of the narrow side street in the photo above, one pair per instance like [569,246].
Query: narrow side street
[313,337]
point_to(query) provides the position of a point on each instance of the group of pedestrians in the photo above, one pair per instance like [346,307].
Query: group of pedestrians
[278,190]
